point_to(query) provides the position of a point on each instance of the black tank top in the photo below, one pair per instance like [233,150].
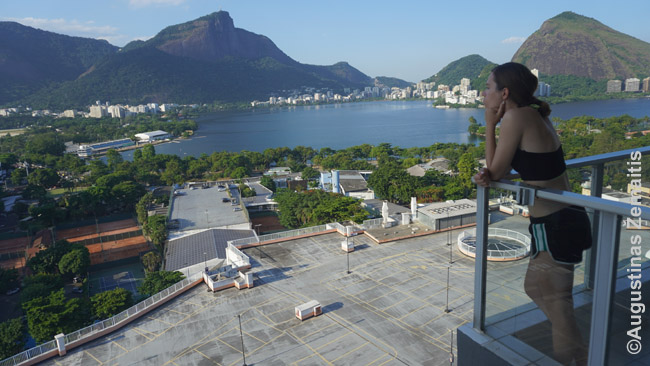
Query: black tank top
[539,166]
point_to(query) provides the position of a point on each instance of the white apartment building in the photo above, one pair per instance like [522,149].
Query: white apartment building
[68,113]
[543,90]
[632,85]
[98,111]
[464,85]
[117,111]
[614,86]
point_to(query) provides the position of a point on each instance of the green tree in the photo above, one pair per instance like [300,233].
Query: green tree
[300,209]
[18,175]
[45,143]
[141,208]
[268,182]
[114,159]
[309,173]
[155,282]
[246,191]
[239,172]
[52,314]
[467,167]
[47,261]
[109,303]
[45,178]
[40,284]
[75,262]
[12,337]
[172,173]
[8,279]
[156,229]
[151,261]
[391,182]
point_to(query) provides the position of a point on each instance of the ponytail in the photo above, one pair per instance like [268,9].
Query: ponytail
[542,107]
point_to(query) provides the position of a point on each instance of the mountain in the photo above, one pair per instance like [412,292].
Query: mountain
[467,67]
[572,44]
[390,82]
[32,58]
[201,61]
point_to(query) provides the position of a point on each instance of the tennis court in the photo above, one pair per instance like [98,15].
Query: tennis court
[125,274]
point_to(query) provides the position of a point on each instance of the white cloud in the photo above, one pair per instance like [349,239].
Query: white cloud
[143,3]
[72,27]
[514,40]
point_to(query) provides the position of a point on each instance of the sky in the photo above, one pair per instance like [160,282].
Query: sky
[410,40]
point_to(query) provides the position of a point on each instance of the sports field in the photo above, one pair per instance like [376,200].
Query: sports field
[127,274]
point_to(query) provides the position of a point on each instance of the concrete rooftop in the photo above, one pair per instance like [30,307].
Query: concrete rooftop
[388,311]
[203,209]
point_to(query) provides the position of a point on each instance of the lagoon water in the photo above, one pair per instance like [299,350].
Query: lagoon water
[400,123]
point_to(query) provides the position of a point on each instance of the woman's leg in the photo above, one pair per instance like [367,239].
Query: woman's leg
[553,293]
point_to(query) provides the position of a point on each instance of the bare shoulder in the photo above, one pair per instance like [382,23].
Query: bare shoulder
[519,118]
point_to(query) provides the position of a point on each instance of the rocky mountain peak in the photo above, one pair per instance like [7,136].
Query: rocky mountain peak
[214,37]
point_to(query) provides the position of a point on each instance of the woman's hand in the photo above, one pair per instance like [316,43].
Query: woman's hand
[493,116]
[482,178]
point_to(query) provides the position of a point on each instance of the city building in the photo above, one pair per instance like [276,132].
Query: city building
[88,150]
[632,85]
[68,113]
[646,85]
[117,111]
[98,111]
[535,72]
[147,137]
[439,164]
[543,90]
[614,86]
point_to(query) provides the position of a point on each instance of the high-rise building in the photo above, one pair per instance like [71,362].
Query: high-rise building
[464,85]
[646,85]
[98,111]
[543,90]
[614,86]
[632,85]
[535,72]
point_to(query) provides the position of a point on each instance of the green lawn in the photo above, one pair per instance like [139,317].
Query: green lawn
[59,191]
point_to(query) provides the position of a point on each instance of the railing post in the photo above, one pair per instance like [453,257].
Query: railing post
[480,262]
[604,286]
[596,189]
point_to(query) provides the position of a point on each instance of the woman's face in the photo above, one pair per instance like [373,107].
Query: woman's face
[492,95]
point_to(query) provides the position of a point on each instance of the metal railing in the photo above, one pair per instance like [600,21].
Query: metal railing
[600,269]
[424,219]
[372,223]
[281,235]
[141,307]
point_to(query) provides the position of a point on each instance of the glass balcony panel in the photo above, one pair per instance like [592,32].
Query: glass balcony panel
[632,295]
[510,311]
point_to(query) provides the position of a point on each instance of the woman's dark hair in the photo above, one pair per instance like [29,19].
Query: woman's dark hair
[522,84]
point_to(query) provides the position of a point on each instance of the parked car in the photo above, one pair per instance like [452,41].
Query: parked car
[77,290]
[225,199]
[14,291]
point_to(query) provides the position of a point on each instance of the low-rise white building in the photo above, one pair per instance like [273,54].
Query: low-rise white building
[147,137]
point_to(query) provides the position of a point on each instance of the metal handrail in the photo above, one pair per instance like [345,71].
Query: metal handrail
[606,227]
[571,198]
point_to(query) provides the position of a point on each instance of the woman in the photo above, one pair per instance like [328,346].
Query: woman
[529,144]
